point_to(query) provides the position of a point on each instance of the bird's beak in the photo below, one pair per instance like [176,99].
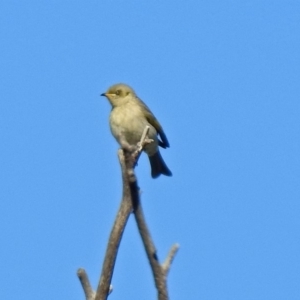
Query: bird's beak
[107,95]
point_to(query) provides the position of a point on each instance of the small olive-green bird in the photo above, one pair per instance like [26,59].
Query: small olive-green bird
[128,118]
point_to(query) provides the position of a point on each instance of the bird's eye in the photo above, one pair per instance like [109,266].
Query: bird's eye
[118,92]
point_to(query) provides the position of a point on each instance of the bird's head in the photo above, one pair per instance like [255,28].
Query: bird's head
[119,94]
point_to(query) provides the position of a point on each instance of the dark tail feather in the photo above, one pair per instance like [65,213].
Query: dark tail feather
[158,166]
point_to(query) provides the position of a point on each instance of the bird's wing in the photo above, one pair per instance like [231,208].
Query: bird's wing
[153,121]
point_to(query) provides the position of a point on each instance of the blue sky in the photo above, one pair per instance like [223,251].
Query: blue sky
[223,79]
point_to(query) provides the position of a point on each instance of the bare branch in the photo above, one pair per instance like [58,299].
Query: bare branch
[85,283]
[157,270]
[169,259]
[130,202]
[143,138]
[115,235]
[141,144]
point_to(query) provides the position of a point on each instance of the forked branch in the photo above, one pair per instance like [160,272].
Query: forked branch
[130,202]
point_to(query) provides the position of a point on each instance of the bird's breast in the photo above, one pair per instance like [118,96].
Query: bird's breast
[129,122]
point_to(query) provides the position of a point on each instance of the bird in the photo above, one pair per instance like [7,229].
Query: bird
[128,118]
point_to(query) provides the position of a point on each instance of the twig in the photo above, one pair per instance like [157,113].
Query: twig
[133,157]
[158,270]
[143,139]
[169,259]
[140,145]
[87,288]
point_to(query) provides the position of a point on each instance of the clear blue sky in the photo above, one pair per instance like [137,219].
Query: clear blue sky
[223,79]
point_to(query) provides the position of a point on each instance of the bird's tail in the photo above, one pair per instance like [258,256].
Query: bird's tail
[158,166]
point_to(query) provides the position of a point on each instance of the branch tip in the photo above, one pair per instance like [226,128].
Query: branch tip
[85,283]
[169,259]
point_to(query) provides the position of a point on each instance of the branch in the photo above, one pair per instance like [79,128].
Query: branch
[115,235]
[159,271]
[129,186]
[169,259]
[84,280]
[130,201]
